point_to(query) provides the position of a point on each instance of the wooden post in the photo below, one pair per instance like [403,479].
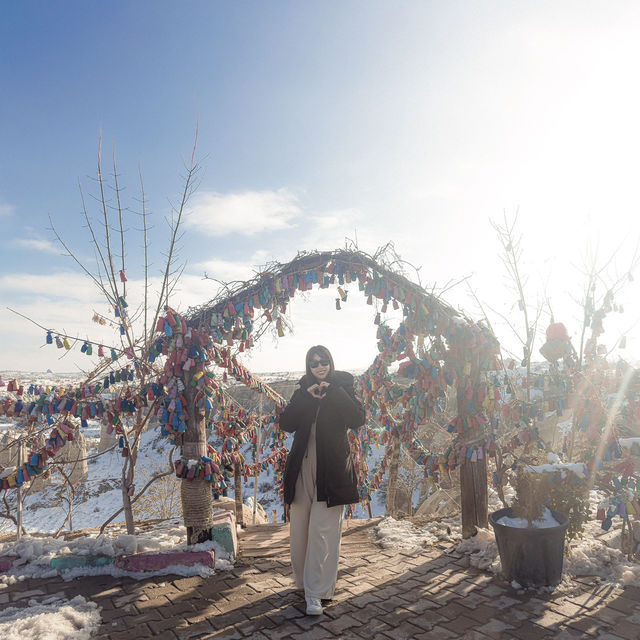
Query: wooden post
[473,496]
[392,485]
[473,475]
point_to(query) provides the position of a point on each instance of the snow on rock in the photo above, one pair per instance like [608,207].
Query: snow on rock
[402,534]
[34,555]
[482,550]
[593,558]
[51,619]
[128,543]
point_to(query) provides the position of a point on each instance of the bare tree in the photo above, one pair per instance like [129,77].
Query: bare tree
[511,258]
[108,238]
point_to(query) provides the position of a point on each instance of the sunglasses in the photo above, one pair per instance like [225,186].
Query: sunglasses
[314,364]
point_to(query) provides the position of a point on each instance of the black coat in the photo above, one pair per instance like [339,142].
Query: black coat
[338,411]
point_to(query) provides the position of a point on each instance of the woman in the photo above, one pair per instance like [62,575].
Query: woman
[319,477]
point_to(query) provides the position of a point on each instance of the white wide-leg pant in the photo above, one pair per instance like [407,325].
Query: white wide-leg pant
[315,533]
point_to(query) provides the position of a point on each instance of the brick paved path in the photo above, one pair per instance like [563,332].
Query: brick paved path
[381,594]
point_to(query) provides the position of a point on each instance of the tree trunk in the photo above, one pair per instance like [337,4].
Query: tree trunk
[127,508]
[392,485]
[473,475]
[128,470]
[473,496]
[237,487]
[197,499]
[500,474]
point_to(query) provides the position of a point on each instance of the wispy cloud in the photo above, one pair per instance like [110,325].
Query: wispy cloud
[38,244]
[231,270]
[340,219]
[61,287]
[246,213]
[330,229]
[6,209]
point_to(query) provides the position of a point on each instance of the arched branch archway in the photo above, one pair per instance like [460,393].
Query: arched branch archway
[436,346]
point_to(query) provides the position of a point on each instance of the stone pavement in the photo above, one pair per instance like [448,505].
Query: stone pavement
[381,594]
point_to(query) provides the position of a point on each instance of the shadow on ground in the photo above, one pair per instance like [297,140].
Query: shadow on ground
[381,594]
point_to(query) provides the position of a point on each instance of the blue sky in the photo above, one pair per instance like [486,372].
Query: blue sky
[412,122]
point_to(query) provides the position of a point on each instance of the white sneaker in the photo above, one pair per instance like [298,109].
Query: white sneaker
[314,607]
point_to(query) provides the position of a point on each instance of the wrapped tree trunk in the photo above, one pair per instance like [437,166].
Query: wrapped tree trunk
[197,499]
[392,485]
[473,475]
[473,496]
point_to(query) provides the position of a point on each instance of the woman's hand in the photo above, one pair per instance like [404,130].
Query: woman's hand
[318,390]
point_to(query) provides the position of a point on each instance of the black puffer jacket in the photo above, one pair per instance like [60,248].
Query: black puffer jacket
[338,411]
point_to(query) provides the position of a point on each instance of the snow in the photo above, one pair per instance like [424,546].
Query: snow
[34,554]
[53,618]
[579,468]
[482,551]
[99,496]
[402,534]
[547,521]
[592,555]
[627,443]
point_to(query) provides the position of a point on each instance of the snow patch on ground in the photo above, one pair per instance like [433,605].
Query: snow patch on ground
[592,555]
[402,534]
[51,619]
[593,558]
[482,551]
[34,555]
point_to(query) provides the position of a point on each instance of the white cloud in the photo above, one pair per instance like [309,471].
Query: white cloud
[6,209]
[38,244]
[61,286]
[231,270]
[247,213]
[331,229]
[339,219]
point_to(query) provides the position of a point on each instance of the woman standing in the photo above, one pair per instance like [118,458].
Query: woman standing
[319,477]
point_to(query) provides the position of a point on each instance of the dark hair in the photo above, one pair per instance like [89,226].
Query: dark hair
[324,353]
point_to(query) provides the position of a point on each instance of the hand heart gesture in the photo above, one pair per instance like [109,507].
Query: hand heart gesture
[318,391]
